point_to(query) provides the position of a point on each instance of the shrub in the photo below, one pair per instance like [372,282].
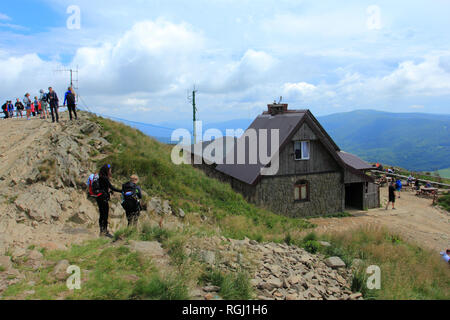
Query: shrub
[312,246]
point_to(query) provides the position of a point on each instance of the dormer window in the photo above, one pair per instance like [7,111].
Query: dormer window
[301,150]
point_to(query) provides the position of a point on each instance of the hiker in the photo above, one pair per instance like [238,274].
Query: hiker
[37,106]
[105,188]
[19,108]
[44,105]
[410,180]
[10,109]
[5,110]
[391,195]
[131,194]
[417,185]
[398,187]
[54,104]
[70,98]
[446,256]
[27,104]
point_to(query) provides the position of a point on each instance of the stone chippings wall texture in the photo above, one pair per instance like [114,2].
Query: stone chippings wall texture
[325,194]
[277,193]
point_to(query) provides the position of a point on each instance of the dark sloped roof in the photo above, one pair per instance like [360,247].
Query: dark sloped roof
[198,149]
[286,123]
[353,161]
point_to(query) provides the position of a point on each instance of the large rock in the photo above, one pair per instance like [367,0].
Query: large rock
[5,263]
[88,128]
[42,203]
[60,270]
[270,284]
[148,248]
[208,257]
[335,262]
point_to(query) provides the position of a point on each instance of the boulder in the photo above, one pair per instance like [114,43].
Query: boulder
[335,262]
[60,270]
[35,255]
[41,203]
[208,257]
[211,289]
[270,284]
[181,213]
[148,248]
[5,263]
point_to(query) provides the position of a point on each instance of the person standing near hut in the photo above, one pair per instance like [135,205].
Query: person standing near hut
[391,195]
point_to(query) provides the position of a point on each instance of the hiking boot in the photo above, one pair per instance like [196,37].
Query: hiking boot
[108,235]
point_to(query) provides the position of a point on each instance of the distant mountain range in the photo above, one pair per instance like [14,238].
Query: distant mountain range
[414,141]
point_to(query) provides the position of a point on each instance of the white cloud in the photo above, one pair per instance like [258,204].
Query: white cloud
[4,17]
[303,88]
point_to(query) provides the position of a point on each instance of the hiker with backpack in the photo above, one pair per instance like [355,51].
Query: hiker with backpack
[100,188]
[70,98]
[398,187]
[44,105]
[131,194]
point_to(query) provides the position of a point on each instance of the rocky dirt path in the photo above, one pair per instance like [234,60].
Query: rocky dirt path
[415,219]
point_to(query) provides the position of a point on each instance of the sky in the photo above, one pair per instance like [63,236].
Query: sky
[139,59]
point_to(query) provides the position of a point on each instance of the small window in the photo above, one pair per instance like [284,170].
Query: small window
[301,150]
[301,191]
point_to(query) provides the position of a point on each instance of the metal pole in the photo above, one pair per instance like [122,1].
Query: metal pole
[195,116]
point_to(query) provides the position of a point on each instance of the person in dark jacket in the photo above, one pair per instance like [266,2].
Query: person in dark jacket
[106,188]
[19,108]
[70,98]
[54,104]
[5,110]
[131,194]
[391,195]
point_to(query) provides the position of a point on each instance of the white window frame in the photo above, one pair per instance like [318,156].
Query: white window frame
[303,145]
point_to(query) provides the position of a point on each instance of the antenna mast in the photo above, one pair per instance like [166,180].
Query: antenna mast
[194,110]
[73,78]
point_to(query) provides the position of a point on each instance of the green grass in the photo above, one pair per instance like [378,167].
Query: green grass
[114,273]
[445,173]
[132,152]
[444,201]
[407,271]
[233,286]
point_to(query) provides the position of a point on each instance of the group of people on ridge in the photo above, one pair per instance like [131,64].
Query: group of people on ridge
[40,106]
[100,188]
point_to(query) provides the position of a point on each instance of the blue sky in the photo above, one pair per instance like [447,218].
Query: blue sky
[137,59]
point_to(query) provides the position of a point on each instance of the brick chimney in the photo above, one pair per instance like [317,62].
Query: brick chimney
[277,108]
